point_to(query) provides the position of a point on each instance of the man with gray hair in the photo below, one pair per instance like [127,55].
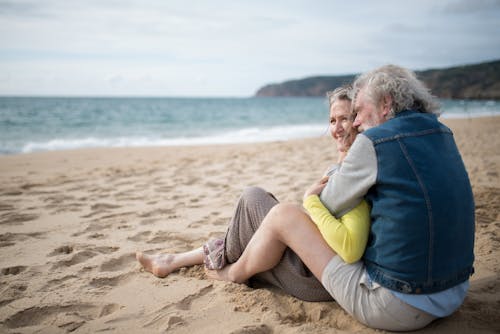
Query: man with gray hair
[406,164]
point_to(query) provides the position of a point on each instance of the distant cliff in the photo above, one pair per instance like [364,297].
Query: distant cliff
[478,81]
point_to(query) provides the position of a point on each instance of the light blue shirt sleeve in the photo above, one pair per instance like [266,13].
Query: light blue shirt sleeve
[440,304]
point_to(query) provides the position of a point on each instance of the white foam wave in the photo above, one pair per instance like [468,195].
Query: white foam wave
[466,115]
[247,135]
[469,109]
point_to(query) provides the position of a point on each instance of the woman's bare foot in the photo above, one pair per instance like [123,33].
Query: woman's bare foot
[160,265]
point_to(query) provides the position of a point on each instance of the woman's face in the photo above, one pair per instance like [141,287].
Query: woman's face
[341,127]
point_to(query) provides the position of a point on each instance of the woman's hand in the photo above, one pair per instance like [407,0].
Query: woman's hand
[316,187]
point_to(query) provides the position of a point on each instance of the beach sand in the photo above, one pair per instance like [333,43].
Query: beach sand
[71,221]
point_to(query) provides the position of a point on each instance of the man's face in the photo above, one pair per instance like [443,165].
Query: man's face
[368,114]
[341,127]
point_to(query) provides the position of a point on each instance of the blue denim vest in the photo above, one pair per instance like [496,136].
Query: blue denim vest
[422,232]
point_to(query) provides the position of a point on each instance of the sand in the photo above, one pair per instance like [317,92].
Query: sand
[71,221]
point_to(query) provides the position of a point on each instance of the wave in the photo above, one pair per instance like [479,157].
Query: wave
[469,109]
[465,115]
[246,135]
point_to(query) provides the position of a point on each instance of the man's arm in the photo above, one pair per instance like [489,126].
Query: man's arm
[358,172]
[331,170]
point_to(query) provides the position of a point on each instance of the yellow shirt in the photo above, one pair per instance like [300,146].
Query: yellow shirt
[348,235]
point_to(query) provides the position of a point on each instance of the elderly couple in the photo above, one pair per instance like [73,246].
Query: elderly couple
[388,232]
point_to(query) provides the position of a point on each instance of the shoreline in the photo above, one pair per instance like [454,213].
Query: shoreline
[215,140]
[71,221]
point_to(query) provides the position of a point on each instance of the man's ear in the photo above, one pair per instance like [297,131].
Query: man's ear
[386,105]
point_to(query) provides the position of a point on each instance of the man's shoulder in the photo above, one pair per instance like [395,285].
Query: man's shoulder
[362,140]
[361,150]
[406,123]
[383,130]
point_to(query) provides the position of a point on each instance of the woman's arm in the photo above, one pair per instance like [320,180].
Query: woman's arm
[348,235]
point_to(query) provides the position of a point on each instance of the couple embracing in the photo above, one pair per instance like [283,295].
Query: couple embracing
[387,232]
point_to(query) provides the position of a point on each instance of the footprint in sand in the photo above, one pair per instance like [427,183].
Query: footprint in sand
[160,237]
[164,189]
[6,244]
[28,186]
[6,207]
[149,221]
[96,236]
[67,317]
[213,219]
[12,192]
[141,236]
[174,321]
[173,318]
[107,282]
[106,249]
[10,239]
[13,270]
[100,208]
[109,309]
[11,293]
[62,250]
[196,224]
[119,263]
[75,259]
[253,329]
[185,303]
[170,213]
[220,221]
[58,283]
[95,227]
[15,218]
[104,206]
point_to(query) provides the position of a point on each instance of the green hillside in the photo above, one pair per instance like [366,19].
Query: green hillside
[478,81]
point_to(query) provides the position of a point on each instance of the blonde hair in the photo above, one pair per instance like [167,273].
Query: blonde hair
[340,93]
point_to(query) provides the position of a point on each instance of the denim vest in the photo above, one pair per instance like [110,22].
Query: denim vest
[422,233]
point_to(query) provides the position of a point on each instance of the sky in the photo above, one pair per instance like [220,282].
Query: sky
[228,48]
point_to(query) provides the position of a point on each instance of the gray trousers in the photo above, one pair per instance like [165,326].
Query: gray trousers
[290,274]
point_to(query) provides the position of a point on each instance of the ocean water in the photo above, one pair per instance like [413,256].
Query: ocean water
[29,124]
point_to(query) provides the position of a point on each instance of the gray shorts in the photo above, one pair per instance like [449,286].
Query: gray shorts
[369,302]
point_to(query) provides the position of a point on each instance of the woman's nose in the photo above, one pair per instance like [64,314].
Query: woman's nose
[337,128]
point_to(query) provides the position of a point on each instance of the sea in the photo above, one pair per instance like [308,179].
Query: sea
[31,124]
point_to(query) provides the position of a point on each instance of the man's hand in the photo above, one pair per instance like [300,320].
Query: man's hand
[316,187]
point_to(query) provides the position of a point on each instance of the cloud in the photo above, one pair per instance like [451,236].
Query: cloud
[226,47]
[22,8]
[471,7]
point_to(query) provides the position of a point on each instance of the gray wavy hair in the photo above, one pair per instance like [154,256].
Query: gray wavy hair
[402,85]
[341,93]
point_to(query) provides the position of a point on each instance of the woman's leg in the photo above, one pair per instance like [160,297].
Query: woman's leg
[285,225]
[251,209]
[161,265]
[291,274]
